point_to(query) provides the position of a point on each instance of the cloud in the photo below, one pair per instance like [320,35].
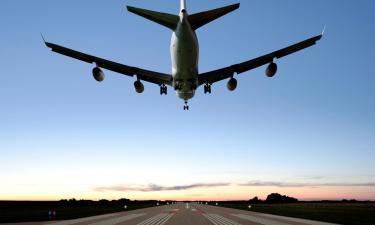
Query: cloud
[313,177]
[297,184]
[255,183]
[154,187]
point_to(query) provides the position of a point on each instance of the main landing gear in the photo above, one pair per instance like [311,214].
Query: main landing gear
[163,89]
[207,88]
[186,106]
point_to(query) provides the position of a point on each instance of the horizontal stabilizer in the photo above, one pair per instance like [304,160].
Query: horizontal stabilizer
[202,18]
[164,19]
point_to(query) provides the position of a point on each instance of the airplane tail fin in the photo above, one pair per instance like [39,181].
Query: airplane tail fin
[183,5]
[168,20]
[200,19]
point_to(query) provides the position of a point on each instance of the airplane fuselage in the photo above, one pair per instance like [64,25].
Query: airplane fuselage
[184,56]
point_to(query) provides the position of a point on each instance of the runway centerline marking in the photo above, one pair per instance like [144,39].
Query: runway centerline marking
[171,210]
[159,219]
[219,220]
[86,219]
[117,220]
[259,220]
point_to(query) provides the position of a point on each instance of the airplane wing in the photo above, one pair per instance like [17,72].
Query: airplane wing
[227,72]
[146,75]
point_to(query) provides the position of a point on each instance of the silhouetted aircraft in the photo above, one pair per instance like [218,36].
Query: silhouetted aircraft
[185,77]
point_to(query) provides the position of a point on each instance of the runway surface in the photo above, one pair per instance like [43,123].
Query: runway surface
[184,214]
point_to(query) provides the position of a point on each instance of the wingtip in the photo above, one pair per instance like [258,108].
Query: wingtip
[129,8]
[237,5]
[324,29]
[44,40]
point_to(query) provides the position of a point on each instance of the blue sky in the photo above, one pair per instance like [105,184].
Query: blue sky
[65,135]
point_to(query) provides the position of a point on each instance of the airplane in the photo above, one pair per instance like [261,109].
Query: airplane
[185,77]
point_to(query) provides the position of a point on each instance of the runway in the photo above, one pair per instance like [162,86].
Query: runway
[184,214]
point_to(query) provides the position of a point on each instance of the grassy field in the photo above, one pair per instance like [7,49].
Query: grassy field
[341,213]
[11,211]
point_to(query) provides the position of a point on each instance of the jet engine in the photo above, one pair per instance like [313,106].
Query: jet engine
[98,74]
[139,88]
[271,69]
[232,84]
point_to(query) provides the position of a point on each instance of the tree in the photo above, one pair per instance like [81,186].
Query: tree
[277,198]
[255,200]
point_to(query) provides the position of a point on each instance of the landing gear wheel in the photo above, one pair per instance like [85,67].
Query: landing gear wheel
[207,88]
[163,89]
[186,107]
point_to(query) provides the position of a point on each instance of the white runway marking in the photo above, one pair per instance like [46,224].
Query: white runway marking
[152,219]
[171,210]
[165,220]
[310,222]
[219,220]
[259,220]
[159,219]
[70,222]
[117,220]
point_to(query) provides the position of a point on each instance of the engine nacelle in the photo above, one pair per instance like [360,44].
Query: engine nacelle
[271,69]
[232,84]
[139,88]
[98,74]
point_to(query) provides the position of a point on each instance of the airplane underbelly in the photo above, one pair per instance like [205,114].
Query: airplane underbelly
[184,53]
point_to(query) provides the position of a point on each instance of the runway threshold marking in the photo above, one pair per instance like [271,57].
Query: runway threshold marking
[219,220]
[305,221]
[75,221]
[159,219]
[259,220]
[117,220]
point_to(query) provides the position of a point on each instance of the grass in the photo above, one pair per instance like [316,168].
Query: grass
[334,212]
[13,211]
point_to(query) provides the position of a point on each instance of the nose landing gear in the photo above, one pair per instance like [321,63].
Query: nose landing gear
[186,106]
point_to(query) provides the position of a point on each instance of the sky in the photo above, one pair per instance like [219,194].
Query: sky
[308,132]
